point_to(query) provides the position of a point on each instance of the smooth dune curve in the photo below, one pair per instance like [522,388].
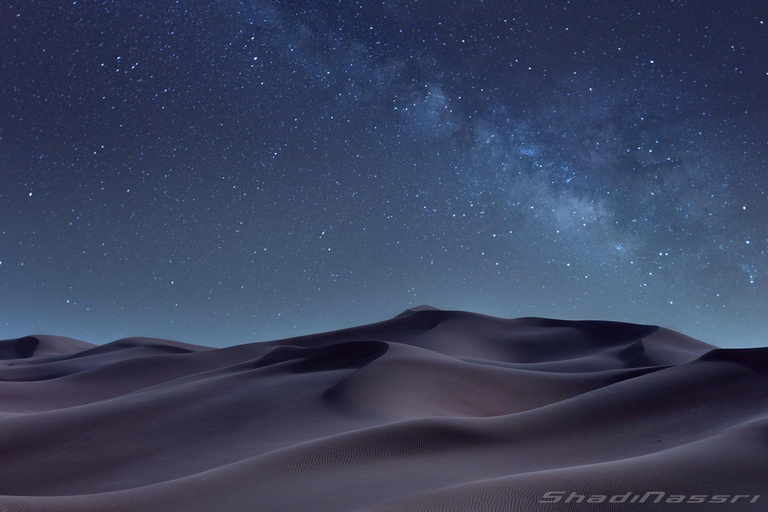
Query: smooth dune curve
[430,410]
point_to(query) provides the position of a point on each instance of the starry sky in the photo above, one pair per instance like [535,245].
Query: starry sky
[227,171]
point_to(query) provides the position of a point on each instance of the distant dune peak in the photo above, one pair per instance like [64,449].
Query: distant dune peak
[40,345]
[423,307]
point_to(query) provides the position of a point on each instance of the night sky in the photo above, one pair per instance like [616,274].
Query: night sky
[228,171]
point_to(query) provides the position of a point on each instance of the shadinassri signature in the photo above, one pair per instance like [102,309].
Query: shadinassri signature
[646,497]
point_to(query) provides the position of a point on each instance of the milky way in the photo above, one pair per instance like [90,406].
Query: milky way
[225,172]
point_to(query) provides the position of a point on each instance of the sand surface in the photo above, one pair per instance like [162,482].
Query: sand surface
[430,410]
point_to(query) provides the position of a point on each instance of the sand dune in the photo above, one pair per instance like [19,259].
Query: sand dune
[430,410]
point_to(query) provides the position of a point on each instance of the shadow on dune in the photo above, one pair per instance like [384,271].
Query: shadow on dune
[343,356]
[20,348]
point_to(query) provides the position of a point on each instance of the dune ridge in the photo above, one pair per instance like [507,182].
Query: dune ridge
[429,410]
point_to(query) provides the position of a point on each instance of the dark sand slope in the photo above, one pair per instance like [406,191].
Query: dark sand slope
[431,410]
